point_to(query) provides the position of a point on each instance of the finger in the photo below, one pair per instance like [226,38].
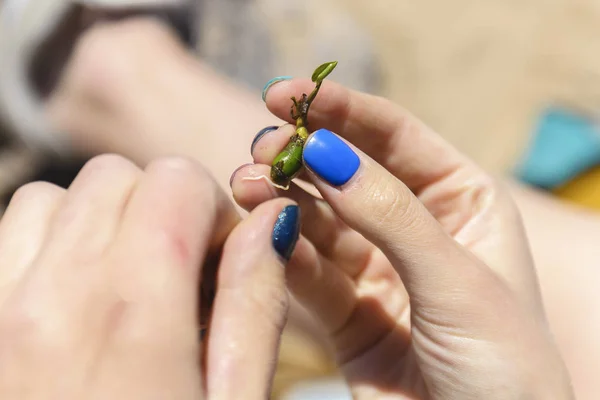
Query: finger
[251,304]
[434,268]
[91,211]
[251,193]
[23,230]
[269,142]
[448,184]
[176,215]
[383,130]
[462,197]
[248,193]
[322,227]
[329,283]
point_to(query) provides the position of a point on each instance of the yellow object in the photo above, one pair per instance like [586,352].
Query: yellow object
[583,190]
[301,359]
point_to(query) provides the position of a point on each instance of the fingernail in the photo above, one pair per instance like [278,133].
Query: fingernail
[287,231]
[236,171]
[330,158]
[260,134]
[273,82]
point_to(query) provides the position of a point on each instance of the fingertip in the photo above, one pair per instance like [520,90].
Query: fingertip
[247,187]
[272,227]
[332,101]
[266,147]
[260,135]
[270,84]
[235,172]
[282,218]
[283,90]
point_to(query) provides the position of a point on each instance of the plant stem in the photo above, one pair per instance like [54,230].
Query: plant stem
[310,100]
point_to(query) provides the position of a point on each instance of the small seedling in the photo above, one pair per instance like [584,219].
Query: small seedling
[288,164]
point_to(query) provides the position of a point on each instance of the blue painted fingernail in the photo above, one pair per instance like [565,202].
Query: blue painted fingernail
[273,82]
[330,158]
[287,231]
[260,134]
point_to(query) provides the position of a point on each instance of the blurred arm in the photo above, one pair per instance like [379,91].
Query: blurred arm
[564,242]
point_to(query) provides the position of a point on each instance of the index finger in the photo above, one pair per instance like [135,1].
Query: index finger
[175,218]
[385,131]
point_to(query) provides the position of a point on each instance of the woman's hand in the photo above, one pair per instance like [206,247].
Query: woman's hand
[414,260]
[99,287]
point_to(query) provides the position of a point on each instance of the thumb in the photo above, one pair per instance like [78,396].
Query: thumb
[439,274]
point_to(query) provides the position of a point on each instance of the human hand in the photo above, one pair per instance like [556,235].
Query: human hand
[99,287]
[413,258]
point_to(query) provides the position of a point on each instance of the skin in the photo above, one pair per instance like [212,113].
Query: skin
[123,99]
[99,287]
[419,267]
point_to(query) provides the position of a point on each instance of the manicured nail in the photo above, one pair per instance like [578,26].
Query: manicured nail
[287,231]
[260,134]
[236,171]
[330,158]
[273,82]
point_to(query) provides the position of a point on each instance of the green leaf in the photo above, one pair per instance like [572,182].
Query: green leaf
[323,71]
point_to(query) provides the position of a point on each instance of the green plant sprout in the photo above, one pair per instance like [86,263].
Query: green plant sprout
[288,164]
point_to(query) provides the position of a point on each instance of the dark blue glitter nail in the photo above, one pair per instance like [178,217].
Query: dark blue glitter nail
[287,231]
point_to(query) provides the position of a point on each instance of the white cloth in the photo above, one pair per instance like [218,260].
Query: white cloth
[326,389]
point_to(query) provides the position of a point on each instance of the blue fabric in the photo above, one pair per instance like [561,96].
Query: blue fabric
[564,146]
[330,158]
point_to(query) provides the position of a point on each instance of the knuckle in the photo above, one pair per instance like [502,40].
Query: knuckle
[389,203]
[34,191]
[29,322]
[190,173]
[185,167]
[107,164]
[19,319]
[179,163]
